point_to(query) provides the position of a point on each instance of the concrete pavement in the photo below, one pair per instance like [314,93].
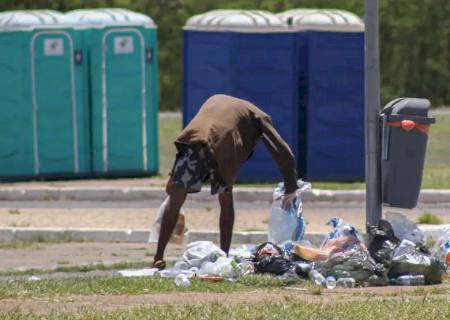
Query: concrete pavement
[139,193]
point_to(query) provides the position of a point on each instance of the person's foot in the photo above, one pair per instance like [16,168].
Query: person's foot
[159,264]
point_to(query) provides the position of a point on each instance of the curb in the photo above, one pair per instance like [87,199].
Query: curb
[153,193]
[129,235]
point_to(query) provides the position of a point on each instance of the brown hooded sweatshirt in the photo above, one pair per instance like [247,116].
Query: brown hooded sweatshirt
[230,128]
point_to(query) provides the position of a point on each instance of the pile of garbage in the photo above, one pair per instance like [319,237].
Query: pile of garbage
[395,253]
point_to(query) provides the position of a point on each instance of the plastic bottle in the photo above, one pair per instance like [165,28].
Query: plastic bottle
[346,282]
[447,254]
[330,282]
[182,281]
[317,277]
[181,265]
[168,273]
[410,280]
[246,267]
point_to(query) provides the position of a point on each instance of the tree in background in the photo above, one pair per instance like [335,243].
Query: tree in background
[414,38]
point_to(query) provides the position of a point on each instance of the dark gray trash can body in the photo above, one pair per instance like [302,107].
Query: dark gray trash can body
[405,124]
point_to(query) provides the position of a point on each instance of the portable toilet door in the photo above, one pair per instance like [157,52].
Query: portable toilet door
[50,124]
[331,93]
[123,72]
[248,54]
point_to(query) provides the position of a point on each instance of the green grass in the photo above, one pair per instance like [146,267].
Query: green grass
[22,245]
[78,268]
[436,174]
[414,304]
[429,218]
[37,241]
[121,285]
[169,127]
[115,285]
[289,309]
[437,162]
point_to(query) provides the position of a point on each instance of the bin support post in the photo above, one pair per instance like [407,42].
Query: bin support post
[372,109]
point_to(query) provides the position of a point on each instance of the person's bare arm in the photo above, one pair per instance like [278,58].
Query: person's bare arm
[281,152]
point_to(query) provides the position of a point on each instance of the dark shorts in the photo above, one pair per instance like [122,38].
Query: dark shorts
[193,166]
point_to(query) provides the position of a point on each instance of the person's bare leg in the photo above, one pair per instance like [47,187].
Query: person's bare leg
[226,220]
[177,196]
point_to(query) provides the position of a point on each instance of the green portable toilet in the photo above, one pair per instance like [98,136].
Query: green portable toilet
[43,116]
[123,65]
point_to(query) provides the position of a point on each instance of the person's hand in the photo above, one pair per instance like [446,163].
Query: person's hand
[288,201]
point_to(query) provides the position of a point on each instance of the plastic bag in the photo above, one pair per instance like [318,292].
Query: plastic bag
[441,249]
[405,228]
[270,258]
[342,230]
[407,259]
[156,227]
[287,225]
[341,238]
[242,253]
[382,242]
[200,251]
[223,266]
[356,264]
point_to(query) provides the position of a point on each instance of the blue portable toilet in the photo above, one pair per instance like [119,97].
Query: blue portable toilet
[44,127]
[330,46]
[250,55]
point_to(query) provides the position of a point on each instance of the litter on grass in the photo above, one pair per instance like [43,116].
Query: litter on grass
[147,272]
[395,254]
[344,260]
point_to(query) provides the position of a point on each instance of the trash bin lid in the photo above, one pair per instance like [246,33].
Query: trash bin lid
[408,108]
[322,20]
[100,18]
[236,20]
[31,19]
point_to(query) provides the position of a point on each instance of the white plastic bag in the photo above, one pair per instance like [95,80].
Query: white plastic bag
[224,267]
[156,227]
[287,225]
[201,251]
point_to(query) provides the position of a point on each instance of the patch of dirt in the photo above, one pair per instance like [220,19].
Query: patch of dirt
[115,302]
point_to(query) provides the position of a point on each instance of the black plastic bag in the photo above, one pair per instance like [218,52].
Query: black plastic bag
[274,265]
[270,258]
[382,242]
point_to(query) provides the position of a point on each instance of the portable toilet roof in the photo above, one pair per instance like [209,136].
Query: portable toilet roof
[236,20]
[110,17]
[31,19]
[322,20]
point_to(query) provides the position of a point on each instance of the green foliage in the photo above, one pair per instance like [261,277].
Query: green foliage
[414,38]
[429,218]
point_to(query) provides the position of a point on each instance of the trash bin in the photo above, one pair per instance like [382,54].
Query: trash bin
[405,125]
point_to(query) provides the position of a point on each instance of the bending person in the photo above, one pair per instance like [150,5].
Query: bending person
[222,136]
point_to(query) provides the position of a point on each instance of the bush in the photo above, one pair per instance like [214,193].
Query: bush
[429,218]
